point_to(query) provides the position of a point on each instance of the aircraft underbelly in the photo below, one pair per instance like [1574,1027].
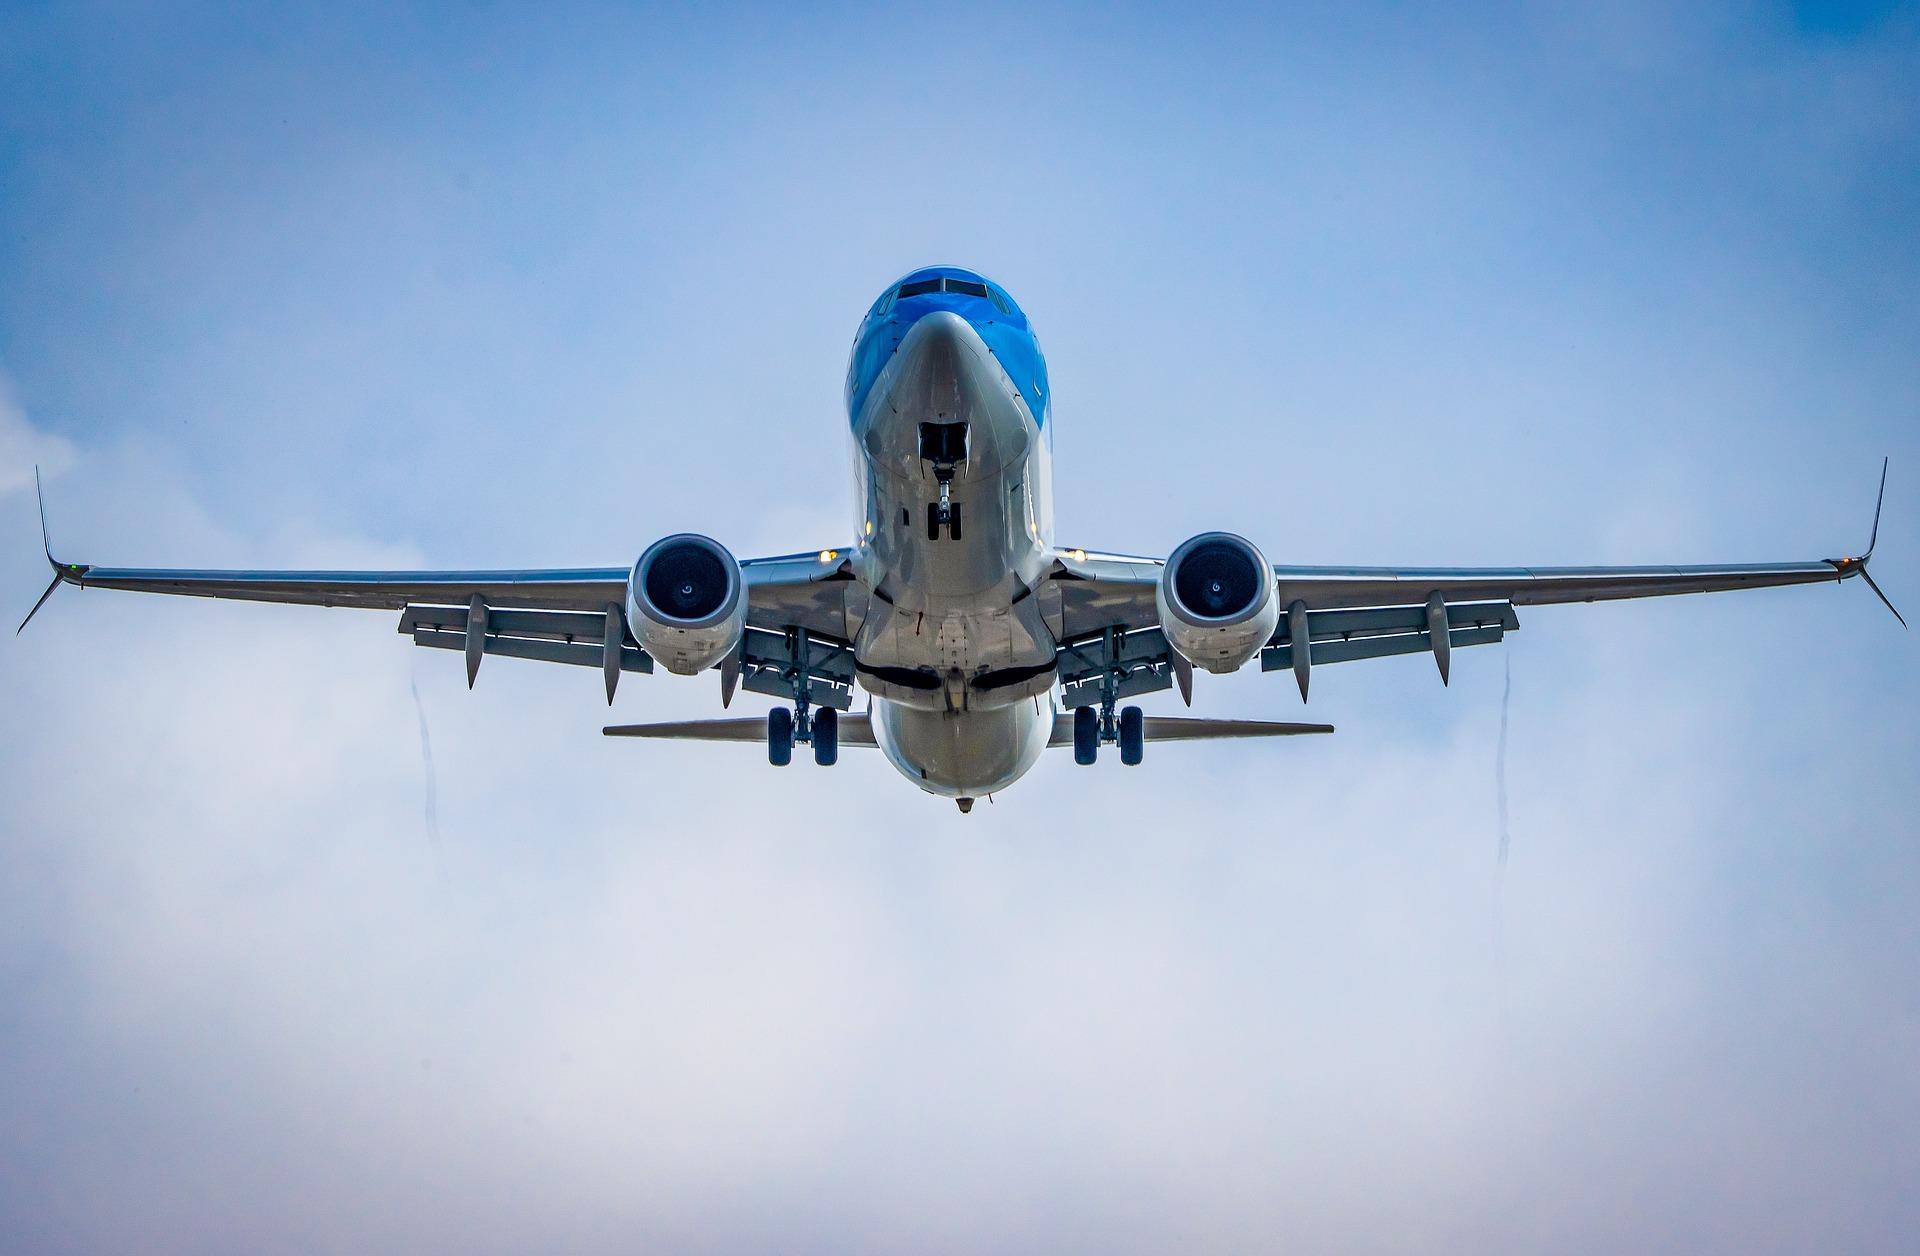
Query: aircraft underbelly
[954,646]
[964,754]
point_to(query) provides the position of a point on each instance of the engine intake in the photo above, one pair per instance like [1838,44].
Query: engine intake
[685,602]
[1216,601]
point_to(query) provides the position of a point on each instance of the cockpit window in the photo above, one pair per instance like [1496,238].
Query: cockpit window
[962,287]
[1000,301]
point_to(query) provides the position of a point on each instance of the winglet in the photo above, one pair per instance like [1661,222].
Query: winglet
[73,573]
[40,496]
[1878,501]
[1858,566]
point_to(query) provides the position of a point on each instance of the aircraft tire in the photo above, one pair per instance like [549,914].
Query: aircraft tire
[1086,735]
[779,737]
[826,737]
[1133,736]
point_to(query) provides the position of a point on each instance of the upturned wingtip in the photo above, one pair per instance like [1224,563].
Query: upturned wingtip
[1873,539]
[40,498]
[62,572]
[1858,566]
[73,573]
[1879,500]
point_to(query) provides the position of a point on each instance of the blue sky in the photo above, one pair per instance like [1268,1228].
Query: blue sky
[357,287]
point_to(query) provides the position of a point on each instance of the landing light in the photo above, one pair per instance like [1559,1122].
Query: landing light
[1077,555]
[827,556]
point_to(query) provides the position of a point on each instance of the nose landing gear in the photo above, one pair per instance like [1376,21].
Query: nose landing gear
[944,445]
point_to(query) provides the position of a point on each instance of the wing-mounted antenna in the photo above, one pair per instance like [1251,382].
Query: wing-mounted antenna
[70,572]
[1852,566]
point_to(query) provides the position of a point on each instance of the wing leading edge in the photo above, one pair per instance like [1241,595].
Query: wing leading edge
[559,615]
[1102,590]
[1110,624]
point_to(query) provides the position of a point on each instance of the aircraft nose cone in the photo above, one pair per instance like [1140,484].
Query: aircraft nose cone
[942,360]
[940,341]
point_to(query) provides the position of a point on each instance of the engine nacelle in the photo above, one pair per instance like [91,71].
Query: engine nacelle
[1216,601]
[686,603]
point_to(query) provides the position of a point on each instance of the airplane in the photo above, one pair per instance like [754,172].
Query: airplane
[979,642]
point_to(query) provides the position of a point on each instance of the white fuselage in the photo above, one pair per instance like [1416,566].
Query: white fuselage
[954,647]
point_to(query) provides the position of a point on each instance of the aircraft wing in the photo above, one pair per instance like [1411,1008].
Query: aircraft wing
[557,615]
[853,730]
[857,730]
[1104,590]
[1350,613]
[561,589]
[781,592]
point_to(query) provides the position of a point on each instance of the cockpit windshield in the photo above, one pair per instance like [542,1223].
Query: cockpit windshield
[942,283]
[952,285]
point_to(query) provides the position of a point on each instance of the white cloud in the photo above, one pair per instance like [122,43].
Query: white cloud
[666,997]
[24,446]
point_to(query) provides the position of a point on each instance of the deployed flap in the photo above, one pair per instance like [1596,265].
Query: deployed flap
[574,637]
[1344,636]
[1143,663]
[772,663]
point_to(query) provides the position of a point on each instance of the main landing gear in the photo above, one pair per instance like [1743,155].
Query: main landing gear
[1093,726]
[820,729]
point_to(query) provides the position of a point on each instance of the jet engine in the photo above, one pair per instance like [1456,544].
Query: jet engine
[1216,601]
[686,603]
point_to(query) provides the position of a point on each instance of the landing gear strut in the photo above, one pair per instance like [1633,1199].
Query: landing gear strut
[1092,727]
[819,729]
[944,445]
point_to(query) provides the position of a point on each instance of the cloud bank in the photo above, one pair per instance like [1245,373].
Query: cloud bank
[357,293]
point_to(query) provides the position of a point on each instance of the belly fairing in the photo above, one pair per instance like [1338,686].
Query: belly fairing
[964,754]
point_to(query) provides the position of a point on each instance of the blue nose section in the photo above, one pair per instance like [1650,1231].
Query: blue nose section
[943,303]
